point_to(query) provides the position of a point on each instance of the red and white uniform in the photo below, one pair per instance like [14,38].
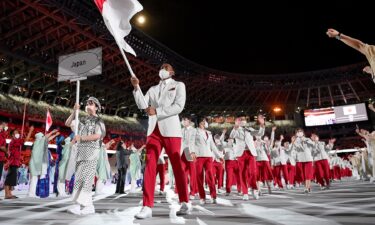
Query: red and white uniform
[246,152]
[202,144]
[188,164]
[263,164]
[164,131]
[320,153]
[304,165]
[231,166]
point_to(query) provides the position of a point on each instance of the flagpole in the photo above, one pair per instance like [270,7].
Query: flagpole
[23,119]
[130,69]
[77,111]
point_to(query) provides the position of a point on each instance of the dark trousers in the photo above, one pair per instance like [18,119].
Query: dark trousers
[1,169]
[121,180]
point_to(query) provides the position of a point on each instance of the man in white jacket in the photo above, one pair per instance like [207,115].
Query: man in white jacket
[231,164]
[163,103]
[203,148]
[304,166]
[246,153]
[188,162]
[320,153]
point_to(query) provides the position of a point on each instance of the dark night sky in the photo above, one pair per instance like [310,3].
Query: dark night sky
[260,36]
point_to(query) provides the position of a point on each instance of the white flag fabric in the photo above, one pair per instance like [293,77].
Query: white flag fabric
[349,110]
[117,15]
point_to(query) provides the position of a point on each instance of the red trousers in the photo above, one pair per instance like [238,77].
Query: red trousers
[160,169]
[204,170]
[233,173]
[264,171]
[172,145]
[291,173]
[278,169]
[248,171]
[218,171]
[305,170]
[337,172]
[322,172]
[190,171]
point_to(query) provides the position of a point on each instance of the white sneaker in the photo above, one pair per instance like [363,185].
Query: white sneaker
[214,201]
[255,194]
[288,186]
[88,210]
[245,197]
[185,209]
[74,209]
[227,194]
[372,180]
[192,197]
[146,212]
[202,201]
[161,193]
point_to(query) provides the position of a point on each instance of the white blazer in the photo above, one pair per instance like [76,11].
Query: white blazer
[202,144]
[185,142]
[292,155]
[303,147]
[279,155]
[244,140]
[168,102]
[320,150]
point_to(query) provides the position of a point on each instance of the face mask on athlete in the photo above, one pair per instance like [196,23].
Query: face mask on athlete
[164,74]
[243,123]
[299,134]
[205,124]
[17,136]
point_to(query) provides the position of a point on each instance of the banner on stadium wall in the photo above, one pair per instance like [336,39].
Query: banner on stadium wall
[79,65]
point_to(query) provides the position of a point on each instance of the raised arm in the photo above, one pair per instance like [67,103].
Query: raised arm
[31,129]
[51,137]
[68,122]
[349,41]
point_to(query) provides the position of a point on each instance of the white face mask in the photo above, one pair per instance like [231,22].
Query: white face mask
[265,139]
[17,136]
[164,74]
[5,128]
[205,124]
[299,134]
[243,123]
[257,138]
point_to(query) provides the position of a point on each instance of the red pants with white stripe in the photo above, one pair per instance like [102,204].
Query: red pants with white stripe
[322,172]
[172,145]
[204,171]
[218,171]
[160,169]
[233,174]
[291,173]
[189,168]
[248,171]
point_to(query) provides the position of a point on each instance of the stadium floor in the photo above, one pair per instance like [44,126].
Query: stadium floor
[347,202]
